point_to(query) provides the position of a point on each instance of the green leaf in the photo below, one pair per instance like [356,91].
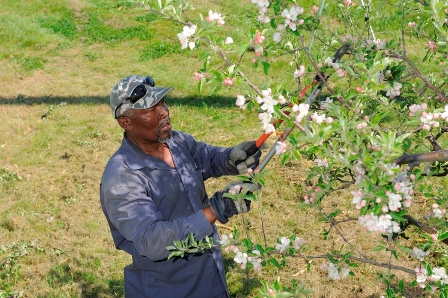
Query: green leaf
[275,263]
[334,213]
[204,56]
[200,86]
[442,236]
[332,259]
[266,67]
[398,215]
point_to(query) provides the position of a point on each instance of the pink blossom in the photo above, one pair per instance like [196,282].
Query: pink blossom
[281,99]
[415,108]
[299,72]
[432,46]
[280,147]
[228,40]
[298,243]
[284,243]
[359,89]
[314,9]
[411,24]
[229,82]
[433,237]
[258,38]
[295,108]
[240,100]
[349,3]
[198,76]
[361,125]
[214,16]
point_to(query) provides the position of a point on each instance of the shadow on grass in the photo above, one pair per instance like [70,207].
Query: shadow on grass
[239,281]
[90,284]
[241,284]
[193,101]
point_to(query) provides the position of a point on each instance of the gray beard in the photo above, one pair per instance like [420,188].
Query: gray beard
[164,140]
[160,139]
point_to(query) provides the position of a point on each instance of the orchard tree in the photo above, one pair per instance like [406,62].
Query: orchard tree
[378,126]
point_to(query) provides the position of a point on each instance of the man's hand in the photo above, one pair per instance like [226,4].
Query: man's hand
[245,156]
[224,208]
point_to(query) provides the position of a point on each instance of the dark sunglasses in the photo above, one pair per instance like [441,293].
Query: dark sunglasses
[137,93]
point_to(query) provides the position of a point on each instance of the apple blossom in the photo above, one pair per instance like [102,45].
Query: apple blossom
[240,101]
[298,243]
[269,128]
[198,76]
[229,81]
[277,37]
[214,16]
[298,73]
[284,242]
[224,240]
[321,162]
[361,125]
[349,3]
[281,99]
[394,201]
[432,46]
[280,147]
[419,254]
[255,260]
[241,258]
[258,38]
[228,40]
[187,32]
[268,104]
[324,104]
[318,119]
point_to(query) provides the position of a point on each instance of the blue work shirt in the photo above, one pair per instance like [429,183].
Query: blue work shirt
[148,204]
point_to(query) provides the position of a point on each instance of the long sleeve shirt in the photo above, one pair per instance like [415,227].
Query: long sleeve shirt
[149,205]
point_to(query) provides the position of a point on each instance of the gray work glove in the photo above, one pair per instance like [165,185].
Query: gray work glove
[243,157]
[224,208]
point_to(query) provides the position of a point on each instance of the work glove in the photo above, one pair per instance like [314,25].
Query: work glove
[243,157]
[224,208]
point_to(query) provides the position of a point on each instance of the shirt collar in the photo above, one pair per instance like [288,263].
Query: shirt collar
[136,159]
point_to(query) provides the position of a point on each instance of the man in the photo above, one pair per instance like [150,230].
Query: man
[152,193]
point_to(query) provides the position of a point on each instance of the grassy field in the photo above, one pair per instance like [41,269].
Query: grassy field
[59,62]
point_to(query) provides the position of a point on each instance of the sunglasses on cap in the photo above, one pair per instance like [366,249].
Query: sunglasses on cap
[137,93]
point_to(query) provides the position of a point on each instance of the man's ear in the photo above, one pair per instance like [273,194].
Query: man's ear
[125,123]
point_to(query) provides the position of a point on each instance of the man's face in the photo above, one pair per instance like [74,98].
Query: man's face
[151,125]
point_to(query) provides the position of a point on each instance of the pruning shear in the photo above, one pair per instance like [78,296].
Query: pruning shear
[319,78]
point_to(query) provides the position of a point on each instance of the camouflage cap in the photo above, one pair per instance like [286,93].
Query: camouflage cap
[119,96]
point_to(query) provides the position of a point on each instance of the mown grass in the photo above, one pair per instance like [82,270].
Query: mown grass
[59,61]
